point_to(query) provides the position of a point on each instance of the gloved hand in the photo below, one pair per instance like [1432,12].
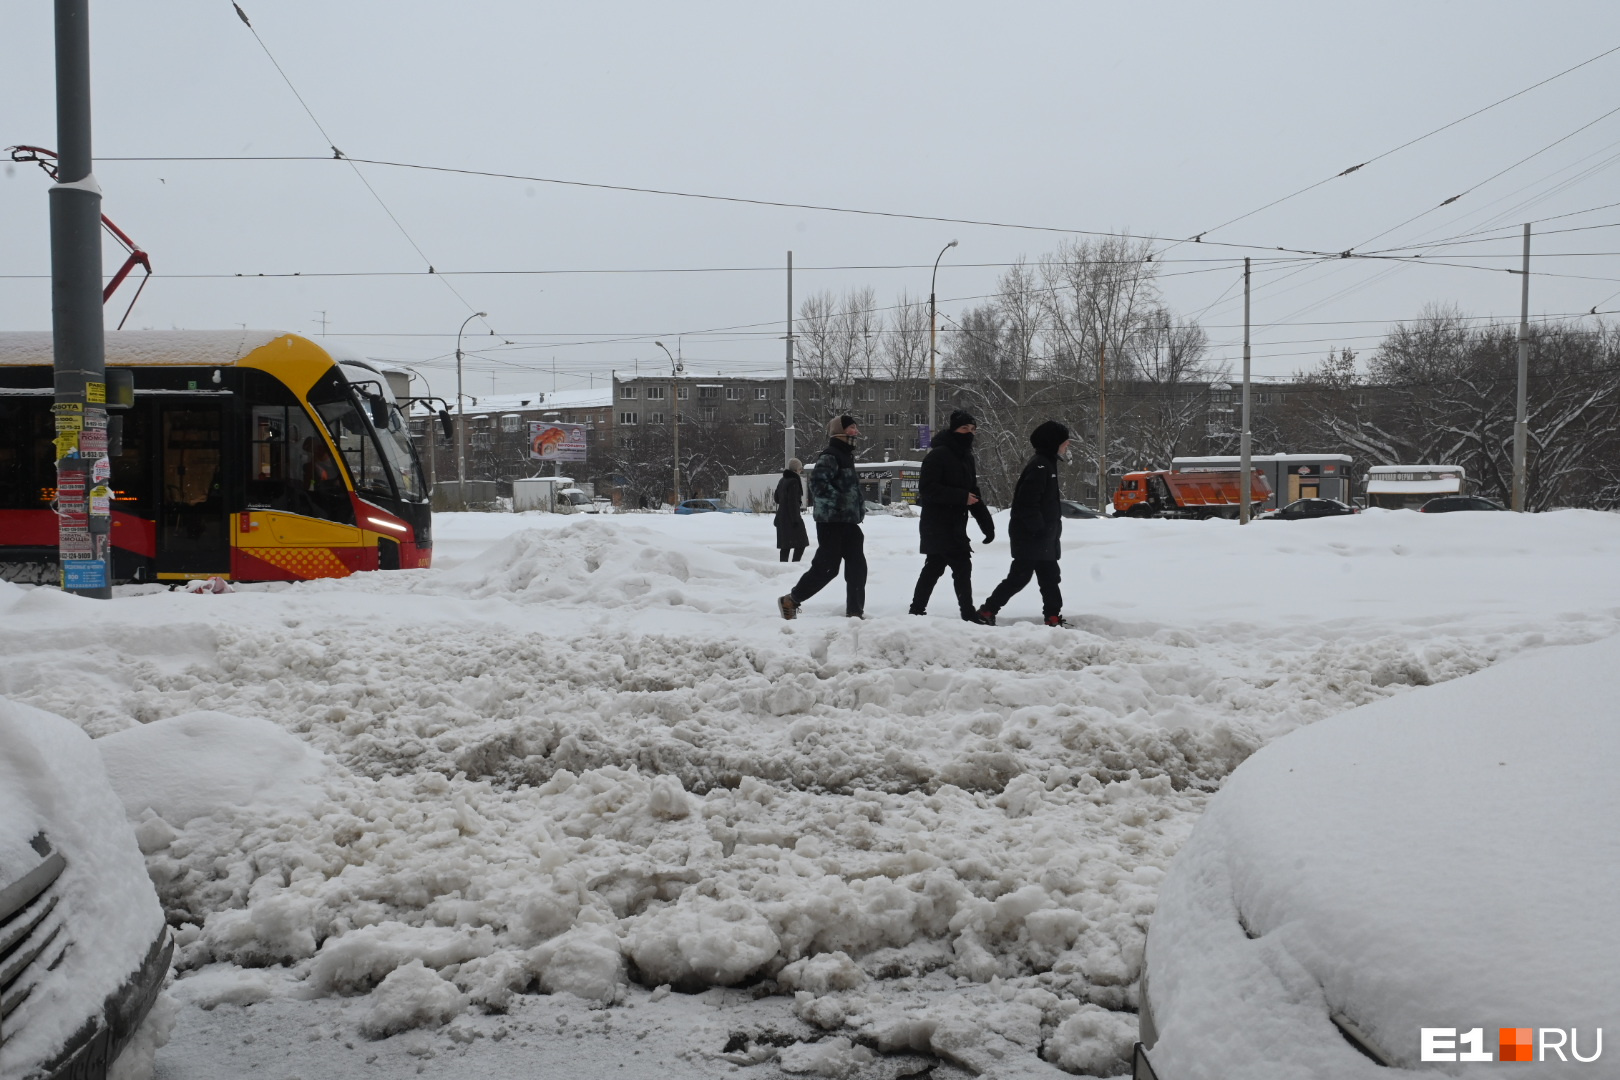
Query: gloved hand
[989,535]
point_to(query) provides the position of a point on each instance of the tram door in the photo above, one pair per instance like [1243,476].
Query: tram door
[192,528]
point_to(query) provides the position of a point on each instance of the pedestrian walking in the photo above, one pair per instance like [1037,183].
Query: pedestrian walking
[835,501]
[790,534]
[1034,526]
[948,491]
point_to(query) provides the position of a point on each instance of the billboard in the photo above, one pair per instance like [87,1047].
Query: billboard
[556,442]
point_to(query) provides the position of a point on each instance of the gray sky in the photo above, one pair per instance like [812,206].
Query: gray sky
[1163,119]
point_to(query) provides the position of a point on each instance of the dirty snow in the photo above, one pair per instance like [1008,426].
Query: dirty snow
[583,759]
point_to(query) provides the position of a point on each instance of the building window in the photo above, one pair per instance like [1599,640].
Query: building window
[627,392]
[682,393]
[655,418]
[920,419]
[944,394]
[891,419]
[868,393]
[627,418]
[889,444]
[891,393]
[762,393]
[655,393]
[919,393]
[708,391]
[761,442]
[1261,397]
[708,414]
[511,422]
[733,393]
[762,418]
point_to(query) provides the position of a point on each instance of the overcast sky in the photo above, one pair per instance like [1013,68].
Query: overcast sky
[1165,120]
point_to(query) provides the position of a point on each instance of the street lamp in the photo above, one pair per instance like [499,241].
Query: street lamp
[933,389]
[461,416]
[675,368]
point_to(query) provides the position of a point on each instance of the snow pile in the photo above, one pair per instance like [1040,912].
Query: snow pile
[591,758]
[194,764]
[601,564]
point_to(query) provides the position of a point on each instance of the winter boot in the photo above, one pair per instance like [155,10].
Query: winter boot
[975,617]
[986,617]
[916,611]
[1057,620]
[788,606]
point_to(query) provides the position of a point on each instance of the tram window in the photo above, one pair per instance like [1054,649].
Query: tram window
[290,466]
[351,431]
[27,458]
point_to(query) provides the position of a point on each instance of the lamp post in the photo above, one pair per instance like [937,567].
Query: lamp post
[675,368]
[933,390]
[461,416]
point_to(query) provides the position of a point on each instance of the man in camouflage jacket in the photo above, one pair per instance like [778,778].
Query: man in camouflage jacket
[835,499]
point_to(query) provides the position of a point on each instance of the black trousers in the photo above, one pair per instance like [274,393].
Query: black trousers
[1046,574]
[837,543]
[961,565]
[798,553]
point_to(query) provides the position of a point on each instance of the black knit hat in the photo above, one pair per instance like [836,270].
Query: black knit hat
[959,418]
[1048,437]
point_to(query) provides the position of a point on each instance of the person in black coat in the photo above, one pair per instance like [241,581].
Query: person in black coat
[1034,526]
[790,531]
[948,491]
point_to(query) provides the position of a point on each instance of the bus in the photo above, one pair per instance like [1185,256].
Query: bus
[247,455]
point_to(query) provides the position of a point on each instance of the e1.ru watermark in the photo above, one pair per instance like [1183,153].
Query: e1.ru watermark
[1512,1044]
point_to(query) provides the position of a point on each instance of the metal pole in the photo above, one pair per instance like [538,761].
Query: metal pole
[933,384]
[675,414]
[461,418]
[1245,457]
[1521,416]
[1102,426]
[790,434]
[83,498]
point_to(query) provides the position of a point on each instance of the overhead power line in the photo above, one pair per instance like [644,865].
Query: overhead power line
[1397,149]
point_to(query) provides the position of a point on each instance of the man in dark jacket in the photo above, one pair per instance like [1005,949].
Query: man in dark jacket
[948,491]
[835,500]
[790,534]
[1034,526]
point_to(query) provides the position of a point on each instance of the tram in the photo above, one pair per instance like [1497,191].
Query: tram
[246,455]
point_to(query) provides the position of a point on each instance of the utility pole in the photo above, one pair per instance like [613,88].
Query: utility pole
[1521,416]
[83,499]
[675,369]
[1245,454]
[933,351]
[461,418]
[1102,425]
[790,433]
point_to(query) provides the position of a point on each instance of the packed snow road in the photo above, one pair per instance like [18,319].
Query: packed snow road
[585,757]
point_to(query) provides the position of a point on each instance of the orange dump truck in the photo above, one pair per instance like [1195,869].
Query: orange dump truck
[1187,494]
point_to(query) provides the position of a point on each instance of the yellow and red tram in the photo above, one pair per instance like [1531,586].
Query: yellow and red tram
[247,455]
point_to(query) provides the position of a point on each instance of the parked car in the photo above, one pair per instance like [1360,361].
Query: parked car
[84,949]
[1071,509]
[709,506]
[576,501]
[1309,508]
[1447,504]
[1422,869]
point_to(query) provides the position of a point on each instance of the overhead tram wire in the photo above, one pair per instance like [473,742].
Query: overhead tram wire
[1198,238]
[339,155]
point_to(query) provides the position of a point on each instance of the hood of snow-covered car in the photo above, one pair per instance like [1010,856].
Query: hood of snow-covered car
[86,914]
[1444,858]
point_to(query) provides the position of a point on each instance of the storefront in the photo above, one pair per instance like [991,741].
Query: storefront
[889,481]
[1407,487]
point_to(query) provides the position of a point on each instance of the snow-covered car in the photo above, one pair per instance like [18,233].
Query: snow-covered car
[1424,880]
[1449,504]
[84,949]
[1071,509]
[1301,509]
[709,506]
